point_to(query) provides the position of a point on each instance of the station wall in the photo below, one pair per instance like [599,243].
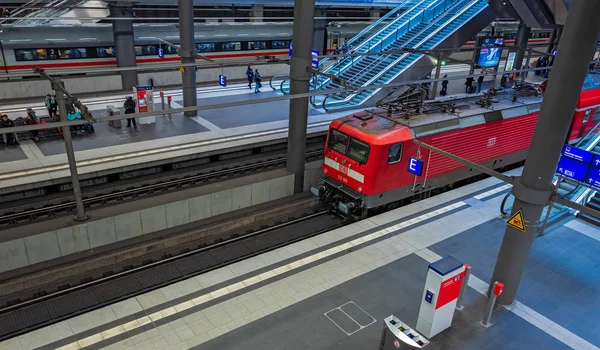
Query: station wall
[21,89]
[219,199]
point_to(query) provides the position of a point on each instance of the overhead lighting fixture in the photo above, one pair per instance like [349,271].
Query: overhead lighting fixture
[88,39]
[147,38]
[20,40]
[56,39]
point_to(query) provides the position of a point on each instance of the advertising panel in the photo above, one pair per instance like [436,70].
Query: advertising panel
[490,52]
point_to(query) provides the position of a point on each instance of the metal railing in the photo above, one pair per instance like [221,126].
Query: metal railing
[450,4]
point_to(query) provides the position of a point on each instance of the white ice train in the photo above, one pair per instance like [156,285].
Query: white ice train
[65,46]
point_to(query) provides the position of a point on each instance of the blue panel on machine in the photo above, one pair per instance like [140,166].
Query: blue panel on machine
[577,154]
[572,169]
[445,265]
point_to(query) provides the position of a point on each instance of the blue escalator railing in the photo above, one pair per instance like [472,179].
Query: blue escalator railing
[373,36]
[453,15]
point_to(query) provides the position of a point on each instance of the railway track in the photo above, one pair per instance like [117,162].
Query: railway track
[63,204]
[37,307]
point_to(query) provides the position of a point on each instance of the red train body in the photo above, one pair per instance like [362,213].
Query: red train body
[367,154]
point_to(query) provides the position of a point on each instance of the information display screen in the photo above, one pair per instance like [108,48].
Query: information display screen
[490,52]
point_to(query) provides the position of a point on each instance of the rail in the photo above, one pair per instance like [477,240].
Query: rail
[15,219]
[275,78]
[424,40]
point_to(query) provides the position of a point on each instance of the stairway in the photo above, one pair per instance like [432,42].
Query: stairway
[387,68]
[593,203]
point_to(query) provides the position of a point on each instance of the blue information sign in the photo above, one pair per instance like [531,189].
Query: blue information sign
[222,80]
[577,154]
[315,59]
[161,54]
[596,161]
[415,166]
[428,296]
[572,169]
[291,47]
[593,178]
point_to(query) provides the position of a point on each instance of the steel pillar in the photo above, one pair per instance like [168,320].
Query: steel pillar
[521,44]
[187,51]
[438,69]
[318,40]
[257,13]
[124,44]
[299,84]
[552,41]
[80,214]
[534,188]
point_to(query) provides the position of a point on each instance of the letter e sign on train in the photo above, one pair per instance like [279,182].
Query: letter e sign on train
[415,166]
[517,221]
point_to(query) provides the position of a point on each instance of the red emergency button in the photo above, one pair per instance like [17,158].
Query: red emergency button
[498,287]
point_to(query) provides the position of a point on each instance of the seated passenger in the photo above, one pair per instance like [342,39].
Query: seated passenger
[74,115]
[10,138]
[31,120]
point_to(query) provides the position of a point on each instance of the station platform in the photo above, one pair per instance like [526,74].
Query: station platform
[332,291]
[122,148]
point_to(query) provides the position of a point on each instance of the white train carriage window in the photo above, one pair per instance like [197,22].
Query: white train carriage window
[231,46]
[280,44]
[338,141]
[205,47]
[395,153]
[257,45]
[31,55]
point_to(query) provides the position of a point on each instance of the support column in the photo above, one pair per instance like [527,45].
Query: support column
[304,11]
[521,43]
[80,214]
[257,13]
[533,190]
[187,51]
[318,40]
[438,70]
[124,44]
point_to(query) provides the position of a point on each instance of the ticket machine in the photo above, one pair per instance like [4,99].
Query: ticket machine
[145,103]
[442,288]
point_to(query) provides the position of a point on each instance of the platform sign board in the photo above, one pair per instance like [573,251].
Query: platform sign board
[593,178]
[577,154]
[161,53]
[596,161]
[572,169]
[315,59]
[291,47]
[517,221]
[415,166]
[222,80]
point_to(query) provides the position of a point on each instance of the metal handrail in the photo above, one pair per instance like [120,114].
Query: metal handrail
[368,40]
[593,130]
[277,77]
[371,26]
[375,64]
[432,34]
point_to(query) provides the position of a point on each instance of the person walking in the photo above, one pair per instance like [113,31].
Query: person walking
[250,75]
[444,91]
[257,80]
[479,83]
[51,105]
[129,106]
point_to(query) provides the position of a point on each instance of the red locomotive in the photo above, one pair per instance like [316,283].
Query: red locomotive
[367,154]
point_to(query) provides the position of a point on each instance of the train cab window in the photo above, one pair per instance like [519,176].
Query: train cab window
[338,141]
[586,116]
[395,153]
[358,150]
[596,115]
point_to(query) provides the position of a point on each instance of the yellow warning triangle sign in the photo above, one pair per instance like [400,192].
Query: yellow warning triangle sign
[517,221]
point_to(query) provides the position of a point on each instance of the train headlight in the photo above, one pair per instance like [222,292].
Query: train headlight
[324,170]
[359,188]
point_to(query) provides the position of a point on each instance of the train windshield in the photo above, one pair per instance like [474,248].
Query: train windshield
[338,141]
[358,150]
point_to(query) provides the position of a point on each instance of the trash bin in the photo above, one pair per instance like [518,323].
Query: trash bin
[398,335]
[112,110]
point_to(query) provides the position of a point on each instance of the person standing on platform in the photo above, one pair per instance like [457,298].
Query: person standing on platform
[469,85]
[444,91]
[257,80]
[129,106]
[51,105]
[250,75]
[479,83]
[9,138]
[30,119]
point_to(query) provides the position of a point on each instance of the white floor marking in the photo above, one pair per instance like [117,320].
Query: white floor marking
[198,119]
[549,327]
[360,326]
